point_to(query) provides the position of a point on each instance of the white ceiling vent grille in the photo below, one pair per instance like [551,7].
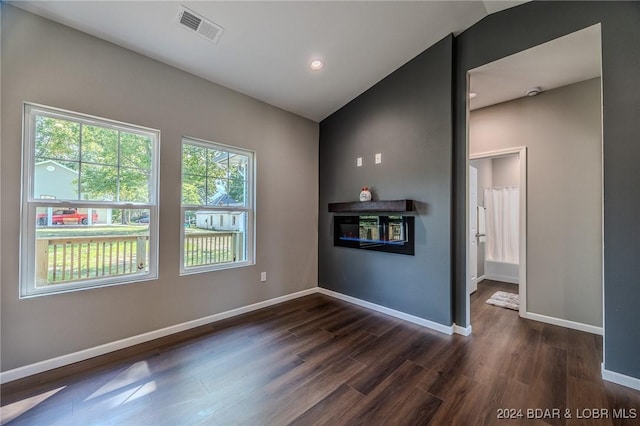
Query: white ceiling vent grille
[198,23]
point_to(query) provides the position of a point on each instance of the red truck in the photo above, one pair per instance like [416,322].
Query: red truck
[66,216]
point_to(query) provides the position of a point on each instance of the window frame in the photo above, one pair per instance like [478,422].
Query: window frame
[30,204]
[249,209]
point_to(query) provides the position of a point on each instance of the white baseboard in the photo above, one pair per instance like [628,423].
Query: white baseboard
[39,367]
[481,278]
[446,329]
[565,323]
[501,278]
[50,364]
[458,329]
[620,379]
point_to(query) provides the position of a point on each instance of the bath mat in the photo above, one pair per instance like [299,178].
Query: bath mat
[505,300]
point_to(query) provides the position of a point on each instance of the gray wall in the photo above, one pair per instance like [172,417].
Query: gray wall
[50,64]
[562,132]
[407,118]
[505,170]
[517,29]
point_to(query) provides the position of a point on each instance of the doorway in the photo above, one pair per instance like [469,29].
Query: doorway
[563,196]
[498,222]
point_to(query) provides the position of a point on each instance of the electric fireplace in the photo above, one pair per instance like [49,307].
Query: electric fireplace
[392,234]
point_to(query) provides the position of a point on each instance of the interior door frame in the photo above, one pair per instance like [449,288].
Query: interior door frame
[521,151]
[473,238]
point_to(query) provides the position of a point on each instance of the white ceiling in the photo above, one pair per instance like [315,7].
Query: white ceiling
[266,46]
[565,60]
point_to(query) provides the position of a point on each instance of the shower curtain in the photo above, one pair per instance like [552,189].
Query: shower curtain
[502,224]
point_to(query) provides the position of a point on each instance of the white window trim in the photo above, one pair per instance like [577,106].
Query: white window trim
[30,204]
[250,209]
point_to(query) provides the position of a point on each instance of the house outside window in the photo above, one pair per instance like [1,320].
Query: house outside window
[90,191]
[217,206]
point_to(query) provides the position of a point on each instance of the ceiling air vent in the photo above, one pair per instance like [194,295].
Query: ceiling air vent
[198,23]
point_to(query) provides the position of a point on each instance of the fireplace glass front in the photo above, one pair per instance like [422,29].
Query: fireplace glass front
[393,234]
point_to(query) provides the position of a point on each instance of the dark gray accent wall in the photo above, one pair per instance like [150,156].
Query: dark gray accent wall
[407,117]
[520,28]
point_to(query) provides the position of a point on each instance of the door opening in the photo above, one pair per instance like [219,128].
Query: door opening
[560,272]
[498,222]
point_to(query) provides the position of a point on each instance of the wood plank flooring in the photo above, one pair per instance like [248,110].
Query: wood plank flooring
[320,361]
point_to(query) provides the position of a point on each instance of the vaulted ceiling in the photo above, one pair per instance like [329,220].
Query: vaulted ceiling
[266,47]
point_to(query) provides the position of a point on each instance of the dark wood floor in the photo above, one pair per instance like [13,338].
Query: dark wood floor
[317,360]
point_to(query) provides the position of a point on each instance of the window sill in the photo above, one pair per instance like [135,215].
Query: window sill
[214,268]
[70,288]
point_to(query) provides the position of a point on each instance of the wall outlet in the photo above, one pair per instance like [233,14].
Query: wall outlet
[359,161]
[379,158]
[263,276]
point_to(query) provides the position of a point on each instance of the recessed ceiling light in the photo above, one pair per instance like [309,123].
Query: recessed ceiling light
[533,91]
[316,64]
[473,95]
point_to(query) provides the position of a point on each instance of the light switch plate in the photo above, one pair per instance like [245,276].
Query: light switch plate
[359,161]
[263,276]
[379,158]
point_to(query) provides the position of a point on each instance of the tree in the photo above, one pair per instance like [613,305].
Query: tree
[57,140]
[237,184]
[116,165]
[111,164]
[208,173]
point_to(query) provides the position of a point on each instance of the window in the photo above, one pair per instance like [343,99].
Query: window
[90,191]
[217,206]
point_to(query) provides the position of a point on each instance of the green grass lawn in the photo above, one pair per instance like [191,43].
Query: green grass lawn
[64,231]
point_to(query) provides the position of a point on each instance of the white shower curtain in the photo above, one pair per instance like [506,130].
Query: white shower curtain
[502,217]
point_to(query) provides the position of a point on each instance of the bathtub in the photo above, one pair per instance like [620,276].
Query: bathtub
[501,271]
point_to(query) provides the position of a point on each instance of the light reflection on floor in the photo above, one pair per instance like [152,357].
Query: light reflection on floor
[125,388]
[18,408]
[130,385]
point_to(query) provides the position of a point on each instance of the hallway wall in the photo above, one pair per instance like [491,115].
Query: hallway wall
[561,129]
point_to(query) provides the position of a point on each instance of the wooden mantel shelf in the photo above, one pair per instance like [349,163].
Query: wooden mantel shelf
[372,206]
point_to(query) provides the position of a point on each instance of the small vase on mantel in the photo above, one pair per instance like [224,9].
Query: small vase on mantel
[365,194]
